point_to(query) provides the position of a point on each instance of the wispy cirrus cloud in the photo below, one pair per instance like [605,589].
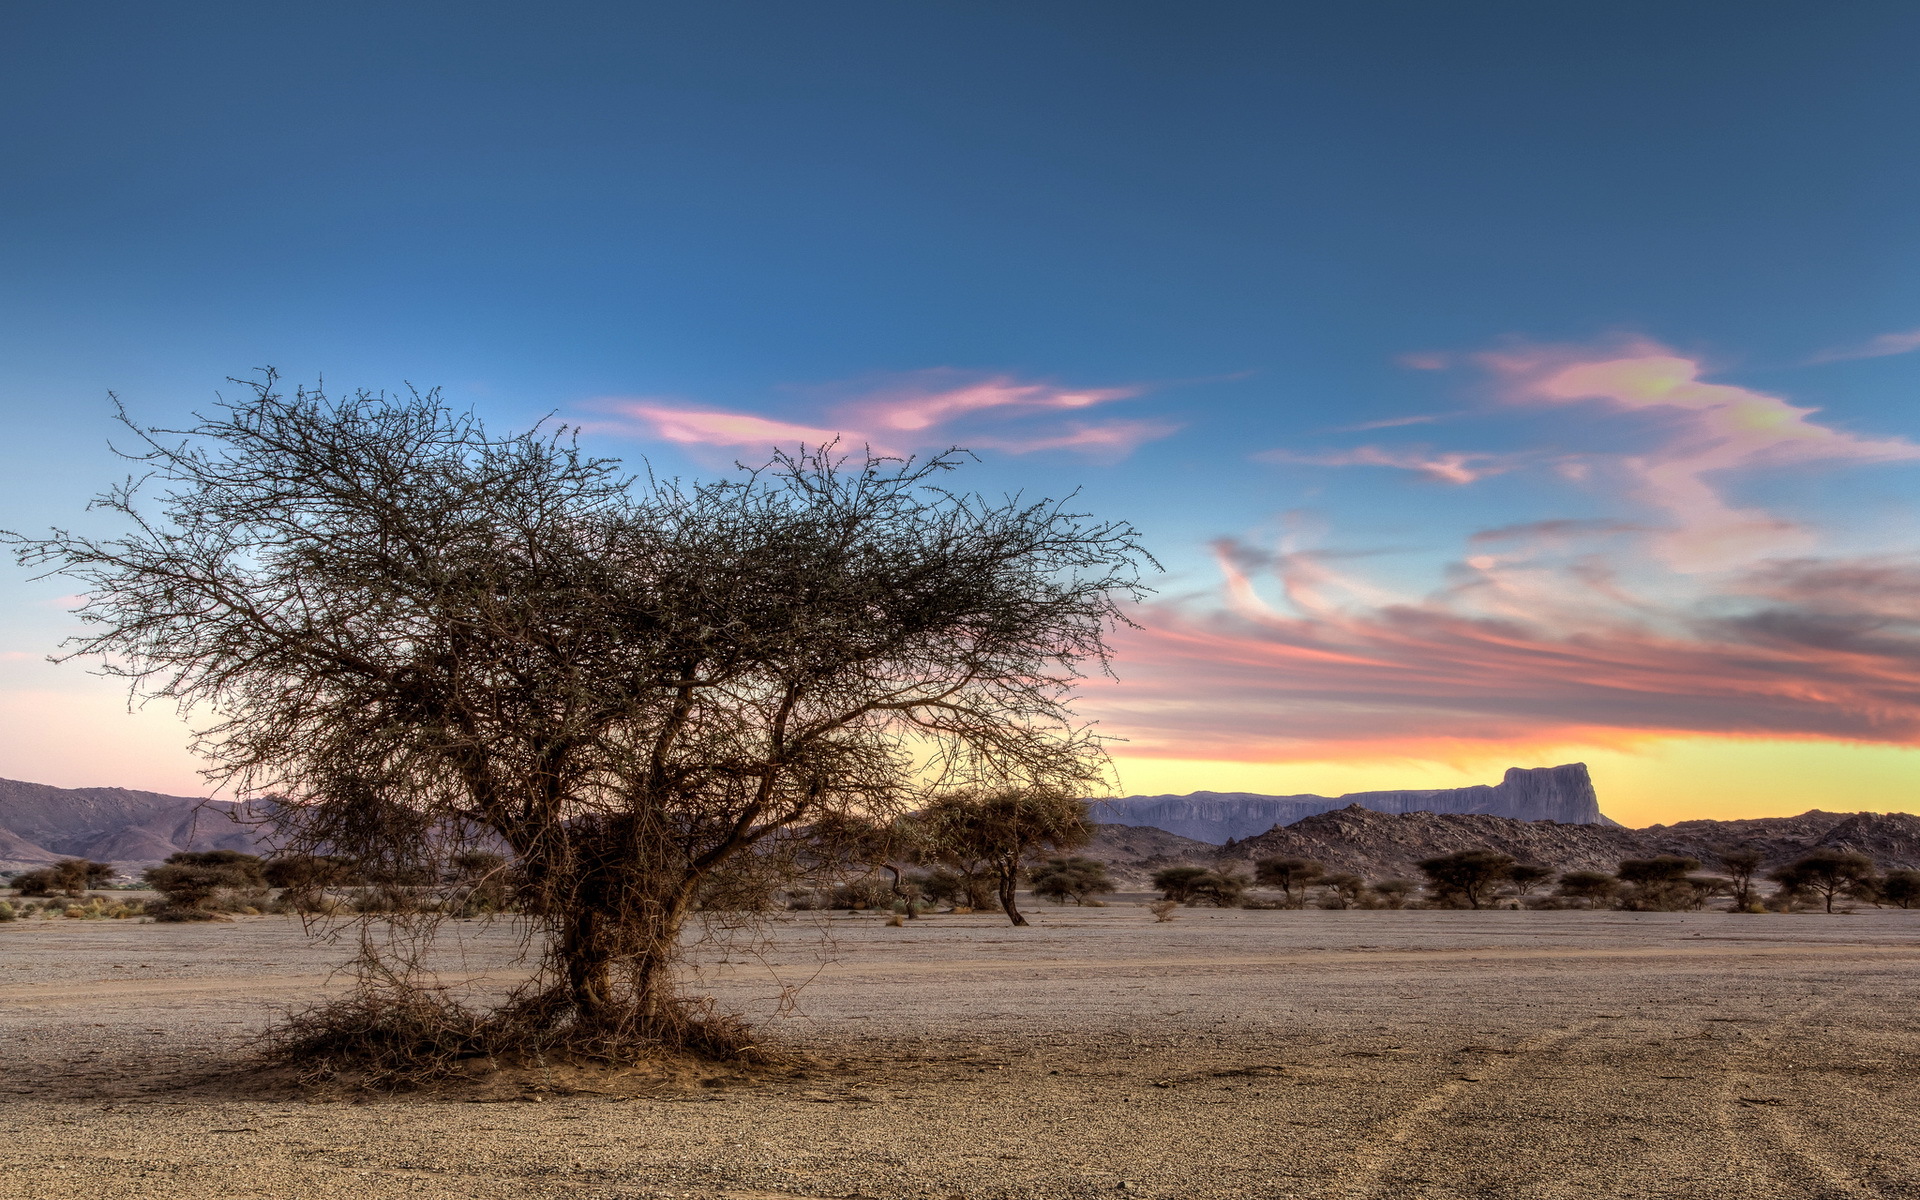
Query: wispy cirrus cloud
[1711,429]
[1885,345]
[916,411]
[1440,466]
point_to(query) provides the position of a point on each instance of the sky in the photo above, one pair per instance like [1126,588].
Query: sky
[1499,384]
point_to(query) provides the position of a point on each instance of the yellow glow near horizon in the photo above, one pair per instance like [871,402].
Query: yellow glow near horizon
[1661,783]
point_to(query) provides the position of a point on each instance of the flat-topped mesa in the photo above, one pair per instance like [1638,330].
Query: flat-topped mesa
[1564,794]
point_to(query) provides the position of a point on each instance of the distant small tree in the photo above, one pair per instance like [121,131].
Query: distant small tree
[1741,865]
[1826,874]
[307,872]
[1343,890]
[1590,888]
[1218,889]
[1469,875]
[1659,884]
[68,877]
[1901,888]
[1394,893]
[1177,883]
[1075,879]
[1524,877]
[191,878]
[1005,827]
[1293,876]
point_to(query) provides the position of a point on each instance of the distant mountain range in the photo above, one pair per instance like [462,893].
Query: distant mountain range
[1564,794]
[40,824]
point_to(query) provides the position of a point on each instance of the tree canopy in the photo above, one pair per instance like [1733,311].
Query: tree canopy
[421,637]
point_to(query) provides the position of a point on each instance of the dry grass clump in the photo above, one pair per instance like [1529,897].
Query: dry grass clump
[395,1034]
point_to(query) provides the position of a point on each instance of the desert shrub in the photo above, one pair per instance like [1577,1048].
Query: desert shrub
[34,883]
[858,894]
[1293,876]
[160,910]
[805,900]
[1466,875]
[68,877]
[194,879]
[394,900]
[1075,879]
[102,909]
[1177,883]
[7,913]
[1825,875]
[307,872]
[1900,888]
[1343,891]
[1394,893]
[1163,910]
[392,1034]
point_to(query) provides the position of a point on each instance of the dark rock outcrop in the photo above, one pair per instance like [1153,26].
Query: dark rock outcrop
[1564,794]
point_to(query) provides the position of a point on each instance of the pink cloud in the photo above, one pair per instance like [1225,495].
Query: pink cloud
[1880,347]
[925,410]
[1712,428]
[1110,439]
[714,427]
[1449,467]
[930,398]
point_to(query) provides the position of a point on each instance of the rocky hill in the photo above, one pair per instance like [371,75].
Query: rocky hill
[1564,794]
[40,824]
[1134,852]
[1385,845]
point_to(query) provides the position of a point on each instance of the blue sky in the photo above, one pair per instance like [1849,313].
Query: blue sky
[1189,246]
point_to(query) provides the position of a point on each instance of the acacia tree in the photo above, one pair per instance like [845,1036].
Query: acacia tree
[1293,876]
[1470,875]
[1740,864]
[1826,873]
[1004,827]
[423,637]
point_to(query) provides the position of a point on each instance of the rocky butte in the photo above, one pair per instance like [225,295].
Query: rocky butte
[1564,794]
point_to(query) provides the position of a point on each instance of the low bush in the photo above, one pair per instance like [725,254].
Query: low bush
[68,877]
[210,879]
[102,909]
[7,913]
[1395,893]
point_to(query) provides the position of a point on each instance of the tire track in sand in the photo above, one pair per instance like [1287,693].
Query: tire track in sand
[1763,1125]
[1378,1152]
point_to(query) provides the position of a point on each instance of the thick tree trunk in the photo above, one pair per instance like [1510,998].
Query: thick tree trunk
[1006,899]
[617,967]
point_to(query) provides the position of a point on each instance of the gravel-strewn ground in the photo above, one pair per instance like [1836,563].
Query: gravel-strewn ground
[1225,1054]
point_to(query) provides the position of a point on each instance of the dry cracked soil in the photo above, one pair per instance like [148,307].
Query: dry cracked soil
[1350,1055]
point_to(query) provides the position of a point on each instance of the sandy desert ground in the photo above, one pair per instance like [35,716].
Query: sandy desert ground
[1224,1054]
